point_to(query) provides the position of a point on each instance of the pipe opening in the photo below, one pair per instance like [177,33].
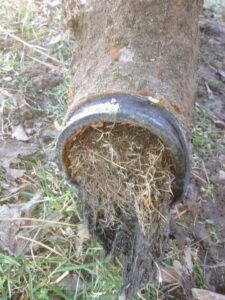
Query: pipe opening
[121,170]
[127,119]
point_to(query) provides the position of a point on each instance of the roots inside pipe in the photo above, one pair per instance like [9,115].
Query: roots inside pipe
[125,176]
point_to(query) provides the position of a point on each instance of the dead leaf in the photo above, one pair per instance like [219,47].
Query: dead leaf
[7,78]
[8,229]
[54,3]
[221,175]
[68,232]
[39,233]
[201,294]
[188,259]
[83,232]
[29,206]
[19,133]
[10,152]
[73,283]
[178,268]
[209,92]
[167,275]
[10,224]
[54,39]
[221,75]
[219,124]
[11,149]
[18,99]
[13,191]
[16,173]
[82,236]
[5,93]
[57,126]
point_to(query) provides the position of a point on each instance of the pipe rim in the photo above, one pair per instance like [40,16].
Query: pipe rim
[141,112]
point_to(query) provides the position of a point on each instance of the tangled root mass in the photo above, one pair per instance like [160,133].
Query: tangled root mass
[125,176]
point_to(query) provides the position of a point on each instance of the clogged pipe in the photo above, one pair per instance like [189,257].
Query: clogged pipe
[134,61]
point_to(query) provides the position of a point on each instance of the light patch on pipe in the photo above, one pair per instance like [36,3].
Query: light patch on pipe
[110,108]
[157,102]
[126,55]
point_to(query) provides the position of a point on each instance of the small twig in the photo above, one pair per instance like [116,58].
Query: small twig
[37,220]
[33,47]
[31,204]
[6,248]
[206,174]
[176,286]
[198,177]
[48,65]
[38,243]
[209,91]
[109,161]
[3,200]
[61,277]
[219,265]
[180,214]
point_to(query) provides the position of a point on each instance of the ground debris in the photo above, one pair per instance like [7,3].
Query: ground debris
[19,133]
[11,154]
[8,229]
[82,236]
[46,81]
[73,283]
[11,222]
[201,294]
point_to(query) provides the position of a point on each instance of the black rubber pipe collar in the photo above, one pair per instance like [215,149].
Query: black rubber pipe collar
[141,112]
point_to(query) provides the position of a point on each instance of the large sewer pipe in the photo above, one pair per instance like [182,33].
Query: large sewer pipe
[134,61]
[132,90]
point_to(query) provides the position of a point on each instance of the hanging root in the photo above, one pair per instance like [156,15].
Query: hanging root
[125,176]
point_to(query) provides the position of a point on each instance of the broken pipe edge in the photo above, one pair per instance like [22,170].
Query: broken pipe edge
[141,112]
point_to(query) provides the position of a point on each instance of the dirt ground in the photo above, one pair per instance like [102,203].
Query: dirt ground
[197,239]
[203,221]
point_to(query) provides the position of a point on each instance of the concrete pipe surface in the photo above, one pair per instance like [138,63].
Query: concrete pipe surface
[124,142]
[134,61]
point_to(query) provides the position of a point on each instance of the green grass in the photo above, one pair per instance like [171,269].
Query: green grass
[199,275]
[216,5]
[204,137]
[22,277]
[36,276]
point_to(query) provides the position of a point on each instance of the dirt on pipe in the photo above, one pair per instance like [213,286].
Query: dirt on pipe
[147,48]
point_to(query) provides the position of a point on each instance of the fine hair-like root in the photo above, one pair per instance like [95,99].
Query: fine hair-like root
[122,169]
[125,177]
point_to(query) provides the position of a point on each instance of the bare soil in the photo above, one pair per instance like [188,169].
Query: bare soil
[203,224]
